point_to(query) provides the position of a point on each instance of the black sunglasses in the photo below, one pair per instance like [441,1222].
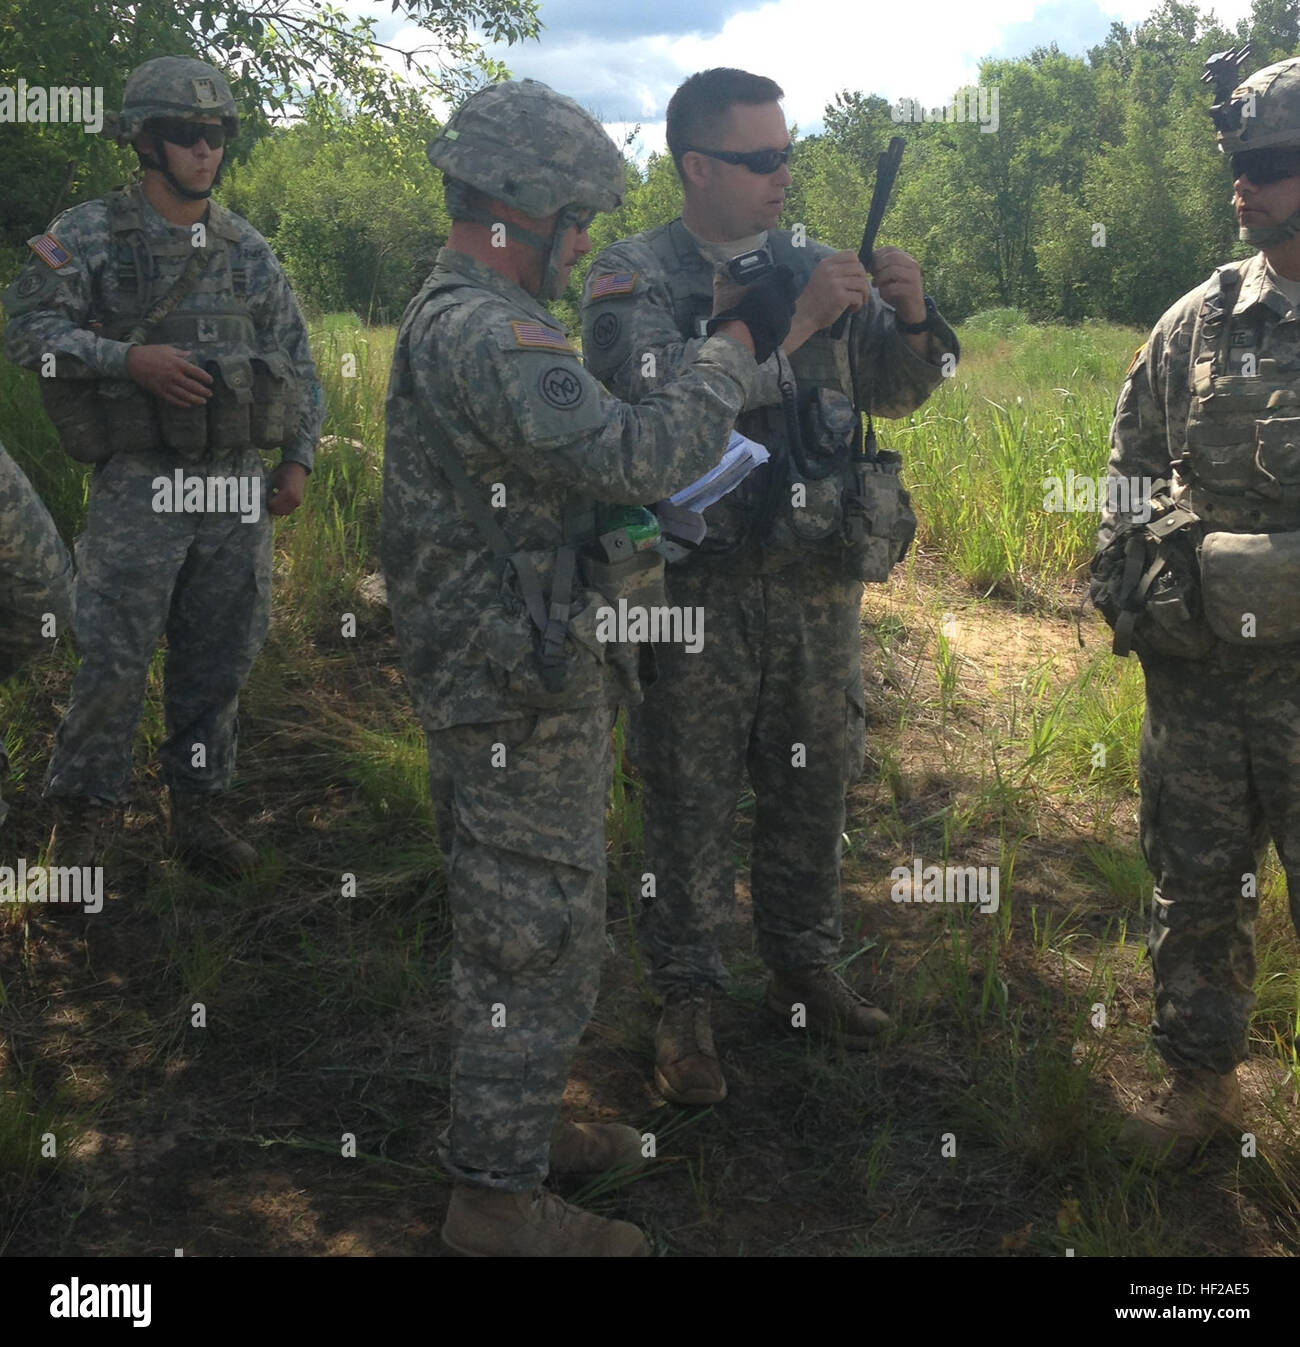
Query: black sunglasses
[757,161]
[187,134]
[1263,167]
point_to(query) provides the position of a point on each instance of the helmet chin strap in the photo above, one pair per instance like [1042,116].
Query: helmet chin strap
[1269,236]
[188,193]
[550,287]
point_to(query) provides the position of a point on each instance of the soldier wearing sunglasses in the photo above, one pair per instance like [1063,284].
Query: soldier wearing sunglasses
[1210,415]
[776,691]
[167,338]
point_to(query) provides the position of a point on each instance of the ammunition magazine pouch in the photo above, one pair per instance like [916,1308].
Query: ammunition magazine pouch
[1249,587]
[255,396]
[1146,583]
[879,523]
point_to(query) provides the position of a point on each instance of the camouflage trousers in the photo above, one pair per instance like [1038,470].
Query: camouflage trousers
[521,814]
[204,580]
[776,691]
[1220,772]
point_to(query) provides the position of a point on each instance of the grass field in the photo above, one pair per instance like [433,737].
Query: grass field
[999,734]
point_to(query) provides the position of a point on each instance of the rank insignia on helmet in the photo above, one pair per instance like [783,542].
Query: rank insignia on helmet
[205,93]
[614,283]
[540,336]
[50,250]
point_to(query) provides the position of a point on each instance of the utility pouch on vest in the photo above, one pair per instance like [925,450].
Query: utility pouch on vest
[808,504]
[77,412]
[1249,585]
[231,402]
[1146,584]
[638,581]
[275,400]
[879,523]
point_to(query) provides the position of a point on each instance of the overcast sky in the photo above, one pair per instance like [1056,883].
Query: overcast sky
[622,59]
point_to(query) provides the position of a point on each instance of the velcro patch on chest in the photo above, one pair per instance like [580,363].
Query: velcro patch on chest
[1243,336]
[537,336]
[613,283]
[50,250]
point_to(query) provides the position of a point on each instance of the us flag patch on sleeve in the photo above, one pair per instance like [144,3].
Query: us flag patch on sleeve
[540,336]
[50,250]
[613,283]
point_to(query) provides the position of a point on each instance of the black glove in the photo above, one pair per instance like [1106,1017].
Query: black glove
[766,308]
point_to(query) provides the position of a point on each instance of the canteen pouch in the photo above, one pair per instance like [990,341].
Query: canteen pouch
[879,523]
[230,406]
[1249,586]
[275,404]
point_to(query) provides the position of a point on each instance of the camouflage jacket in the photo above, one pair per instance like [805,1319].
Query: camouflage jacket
[1249,354]
[646,296]
[482,369]
[35,578]
[52,307]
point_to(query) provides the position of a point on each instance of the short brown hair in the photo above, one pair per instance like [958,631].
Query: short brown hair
[700,105]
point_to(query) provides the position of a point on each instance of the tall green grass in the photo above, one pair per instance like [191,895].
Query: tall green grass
[1025,404]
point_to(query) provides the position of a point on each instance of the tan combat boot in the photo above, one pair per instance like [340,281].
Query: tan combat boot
[203,840]
[492,1223]
[1199,1106]
[687,1070]
[81,833]
[592,1148]
[834,1011]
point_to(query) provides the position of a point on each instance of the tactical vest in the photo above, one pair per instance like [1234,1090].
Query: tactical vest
[561,620]
[1240,475]
[255,397]
[814,493]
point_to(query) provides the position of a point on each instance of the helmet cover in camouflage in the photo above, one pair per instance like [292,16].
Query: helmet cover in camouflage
[176,87]
[533,149]
[1265,110]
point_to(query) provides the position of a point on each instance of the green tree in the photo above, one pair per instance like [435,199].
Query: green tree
[275,52]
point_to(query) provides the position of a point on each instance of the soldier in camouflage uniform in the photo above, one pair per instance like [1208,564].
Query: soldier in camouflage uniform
[168,342]
[777,689]
[35,580]
[500,448]
[1206,433]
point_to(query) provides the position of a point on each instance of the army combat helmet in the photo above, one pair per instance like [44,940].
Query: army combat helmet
[528,147]
[177,88]
[1259,113]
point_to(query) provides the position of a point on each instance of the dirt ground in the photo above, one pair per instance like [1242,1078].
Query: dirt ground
[327,1016]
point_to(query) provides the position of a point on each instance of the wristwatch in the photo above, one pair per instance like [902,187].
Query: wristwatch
[925,325]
